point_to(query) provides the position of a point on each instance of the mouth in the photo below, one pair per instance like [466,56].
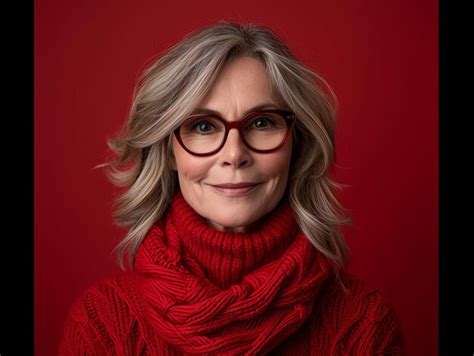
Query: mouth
[235,189]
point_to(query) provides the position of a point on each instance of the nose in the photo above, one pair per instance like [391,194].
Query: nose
[235,153]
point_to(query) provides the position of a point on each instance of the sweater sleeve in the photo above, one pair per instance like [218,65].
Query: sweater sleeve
[81,334]
[99,323]
[380,333]
[357,322]
[372,329]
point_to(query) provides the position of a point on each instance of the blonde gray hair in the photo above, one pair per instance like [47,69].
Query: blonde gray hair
[176,83]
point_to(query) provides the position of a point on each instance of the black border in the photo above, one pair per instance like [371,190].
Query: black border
[17,177]
[456,297]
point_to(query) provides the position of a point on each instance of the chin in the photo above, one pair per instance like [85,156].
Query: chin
[234,220]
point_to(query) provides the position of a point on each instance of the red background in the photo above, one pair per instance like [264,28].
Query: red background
[381,57]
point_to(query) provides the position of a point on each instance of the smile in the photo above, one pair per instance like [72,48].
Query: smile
[236,190]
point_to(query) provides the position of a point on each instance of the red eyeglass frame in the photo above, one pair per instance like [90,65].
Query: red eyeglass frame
[228,125]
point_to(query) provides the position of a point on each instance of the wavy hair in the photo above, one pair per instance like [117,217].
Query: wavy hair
[167,92]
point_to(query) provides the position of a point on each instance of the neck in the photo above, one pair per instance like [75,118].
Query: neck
[226,256]
[222,228]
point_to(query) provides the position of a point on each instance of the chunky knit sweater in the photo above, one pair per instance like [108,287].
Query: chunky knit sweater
[198,291]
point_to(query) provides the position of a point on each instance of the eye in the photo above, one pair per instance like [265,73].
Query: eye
[203,126]
[261,122]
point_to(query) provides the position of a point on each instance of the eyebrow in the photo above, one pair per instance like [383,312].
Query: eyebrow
[205,111]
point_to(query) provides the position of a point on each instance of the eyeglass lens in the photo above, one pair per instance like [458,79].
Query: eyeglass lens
[205,134]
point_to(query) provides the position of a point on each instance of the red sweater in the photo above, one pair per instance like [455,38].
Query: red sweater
[195,290]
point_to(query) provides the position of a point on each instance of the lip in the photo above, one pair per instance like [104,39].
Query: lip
[235,189]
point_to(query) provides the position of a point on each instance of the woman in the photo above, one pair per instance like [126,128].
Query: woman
[234,239]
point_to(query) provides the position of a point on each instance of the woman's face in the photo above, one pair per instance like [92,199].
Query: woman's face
[241,86]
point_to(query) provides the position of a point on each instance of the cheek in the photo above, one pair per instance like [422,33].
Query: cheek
[277,166]
[189,167]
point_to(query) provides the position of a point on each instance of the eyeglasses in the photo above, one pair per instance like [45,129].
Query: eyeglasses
[262,131]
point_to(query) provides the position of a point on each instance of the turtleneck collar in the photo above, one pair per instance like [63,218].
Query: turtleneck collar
[226,257]
[211,292]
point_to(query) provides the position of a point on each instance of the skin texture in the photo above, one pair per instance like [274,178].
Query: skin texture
[242,85]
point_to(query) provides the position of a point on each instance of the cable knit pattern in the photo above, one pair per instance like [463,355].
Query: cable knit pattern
[198,291]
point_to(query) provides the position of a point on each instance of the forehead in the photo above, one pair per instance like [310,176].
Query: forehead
[242,84]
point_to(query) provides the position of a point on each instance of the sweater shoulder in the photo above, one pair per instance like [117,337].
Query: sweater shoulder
[354,291]
[104,298]
[100,318]
[354,294]
[359,318]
